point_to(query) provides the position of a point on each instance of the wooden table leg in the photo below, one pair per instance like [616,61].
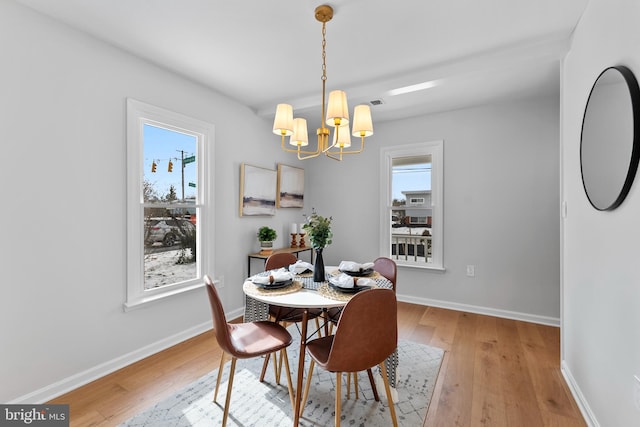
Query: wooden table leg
[303,345]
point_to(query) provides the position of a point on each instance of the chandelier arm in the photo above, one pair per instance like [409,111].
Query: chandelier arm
[311,156]
[291,150]
[329,155]
[329,147]
[351,151]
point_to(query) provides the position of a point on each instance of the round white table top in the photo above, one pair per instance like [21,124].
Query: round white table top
[304,298]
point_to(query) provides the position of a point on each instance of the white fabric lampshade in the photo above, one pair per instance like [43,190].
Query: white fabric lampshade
[344,137]
[283,122]
[300,136]
[362,124]
[337,108]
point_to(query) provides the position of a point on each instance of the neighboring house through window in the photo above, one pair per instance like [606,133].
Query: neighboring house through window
[412,211]
[168,202]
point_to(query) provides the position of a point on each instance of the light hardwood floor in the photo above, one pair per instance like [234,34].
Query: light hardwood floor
[496,372]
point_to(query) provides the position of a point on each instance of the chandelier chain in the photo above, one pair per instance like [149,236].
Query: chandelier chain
[324,82]
[324,51]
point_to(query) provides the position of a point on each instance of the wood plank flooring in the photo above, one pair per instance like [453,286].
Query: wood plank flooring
[496,372]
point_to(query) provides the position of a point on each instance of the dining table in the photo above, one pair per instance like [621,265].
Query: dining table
[303,293]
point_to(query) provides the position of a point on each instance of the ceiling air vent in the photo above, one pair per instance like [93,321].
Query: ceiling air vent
[376,102]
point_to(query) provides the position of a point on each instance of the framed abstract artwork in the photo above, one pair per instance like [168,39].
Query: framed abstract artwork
[257,190]
[290,192]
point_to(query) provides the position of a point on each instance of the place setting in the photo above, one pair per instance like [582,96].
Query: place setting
[274,282]
[355,269]
[301,269]
[349,279]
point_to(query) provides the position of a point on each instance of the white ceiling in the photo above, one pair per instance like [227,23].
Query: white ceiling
[265,52]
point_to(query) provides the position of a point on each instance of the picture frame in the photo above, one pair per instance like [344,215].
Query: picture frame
[290,191]
[257,191]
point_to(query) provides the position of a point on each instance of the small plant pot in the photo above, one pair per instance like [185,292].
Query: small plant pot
[266,248]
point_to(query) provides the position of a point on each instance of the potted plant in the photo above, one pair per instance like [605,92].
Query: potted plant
[266,236]
[318,229]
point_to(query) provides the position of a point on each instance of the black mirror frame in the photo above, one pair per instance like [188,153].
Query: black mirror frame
[634,94]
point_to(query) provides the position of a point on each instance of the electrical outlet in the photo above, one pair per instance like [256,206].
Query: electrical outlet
[471,270]
[220,282]
[636,391]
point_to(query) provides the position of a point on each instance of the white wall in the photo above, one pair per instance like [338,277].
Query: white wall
[601,281]
[62,131]
[501,207]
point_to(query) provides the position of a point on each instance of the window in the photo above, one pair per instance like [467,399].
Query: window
[168,202]
[412,204]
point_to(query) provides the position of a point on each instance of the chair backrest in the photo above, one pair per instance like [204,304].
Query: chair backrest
[367,331]
[388,268]
[279,260]
[220,324]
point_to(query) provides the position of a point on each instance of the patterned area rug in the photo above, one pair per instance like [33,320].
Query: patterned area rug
[267,404]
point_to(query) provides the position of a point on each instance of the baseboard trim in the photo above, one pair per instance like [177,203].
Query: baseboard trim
[78,380]
[71,383]
[585,409]
[513,315]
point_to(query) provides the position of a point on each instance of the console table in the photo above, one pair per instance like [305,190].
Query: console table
[295,251]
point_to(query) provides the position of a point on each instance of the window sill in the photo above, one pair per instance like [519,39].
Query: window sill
[144,301]
[422,267]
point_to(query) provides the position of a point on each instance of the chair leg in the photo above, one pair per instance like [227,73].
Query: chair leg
[279,369]
[289,383]
[338,399]
[387,390]
[275,367]
[229,388]
[355,383]
[215,394]
[305,395]
[373,385]
[264,367]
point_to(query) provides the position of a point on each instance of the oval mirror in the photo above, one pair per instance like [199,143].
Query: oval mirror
[609,147]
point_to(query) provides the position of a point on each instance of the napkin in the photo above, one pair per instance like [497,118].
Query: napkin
[280,275]
[363,281]
[354,266]
[300,267]
[343,280]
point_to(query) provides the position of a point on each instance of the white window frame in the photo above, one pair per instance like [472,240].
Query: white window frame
[416,200]
[436,150]
[139,114]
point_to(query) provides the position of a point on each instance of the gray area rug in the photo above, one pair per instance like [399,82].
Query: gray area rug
[267,404]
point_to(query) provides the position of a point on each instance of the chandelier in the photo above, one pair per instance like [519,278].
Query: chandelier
[337,116]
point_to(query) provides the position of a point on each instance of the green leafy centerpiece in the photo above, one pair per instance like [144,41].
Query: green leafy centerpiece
[318,228]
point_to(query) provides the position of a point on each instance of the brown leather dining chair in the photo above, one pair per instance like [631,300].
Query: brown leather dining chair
[285,315]
[244,341]
[387,268]
[366,335]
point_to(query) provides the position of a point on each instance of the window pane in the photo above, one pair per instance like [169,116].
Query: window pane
[170,231]
[169,165]
[411,211]
[170,246]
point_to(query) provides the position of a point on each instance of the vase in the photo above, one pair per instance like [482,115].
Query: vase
[318,267]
